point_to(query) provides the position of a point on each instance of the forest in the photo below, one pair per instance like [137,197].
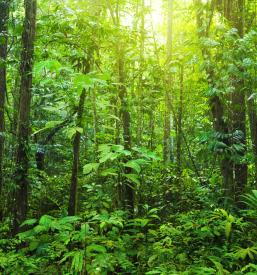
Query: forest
[128,137]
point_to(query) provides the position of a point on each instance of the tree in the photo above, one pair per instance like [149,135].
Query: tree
[4,14]
[23,128]
[72,209]
[167,141]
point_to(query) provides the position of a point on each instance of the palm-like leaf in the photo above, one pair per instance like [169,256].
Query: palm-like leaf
[251,200]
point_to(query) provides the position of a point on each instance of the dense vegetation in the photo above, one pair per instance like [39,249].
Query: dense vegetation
[128,137]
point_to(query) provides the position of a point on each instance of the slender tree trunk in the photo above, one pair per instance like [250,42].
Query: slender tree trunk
[128,190]
[140,119]
[41,151]
[73,198]
[151,128]
[180,117]
[23,128]
[72,209]
[128,193]
[167,143]
[4,14]
[95,119]
[251,108]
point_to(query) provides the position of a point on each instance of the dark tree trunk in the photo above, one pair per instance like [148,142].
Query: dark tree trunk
[215,102]
[125,115]
[73,198]
[72,210]
[4,14]
[23,128]
[41,151]
[235,14]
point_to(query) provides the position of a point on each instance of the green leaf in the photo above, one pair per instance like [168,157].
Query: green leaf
[82,81]
[96,248]
[90,167]
[133,178]
[109,172]
[29,222]
[134,165]
[228,228]
[77,261]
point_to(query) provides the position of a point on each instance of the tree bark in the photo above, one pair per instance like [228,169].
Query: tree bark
[239,112]
[235,15]
[251,108]
[167,142]
[180,117]
[72,209]
[4,14]
[40,153]
[23,128]
[73,198]
[215,102]
[140,119]
[128,189]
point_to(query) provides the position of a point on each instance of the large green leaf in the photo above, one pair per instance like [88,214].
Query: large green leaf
[90,167]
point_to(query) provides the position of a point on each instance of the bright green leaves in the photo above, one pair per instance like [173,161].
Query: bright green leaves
[82,81]
[71,131]
[122,163]
[47,67]
[90,167]
[250,252]
[134,165]
[133,177]
[251,200]
[87,81]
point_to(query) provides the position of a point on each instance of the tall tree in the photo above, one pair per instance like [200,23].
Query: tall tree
[220,125]
[4,14]
[23,128]
[167,141]
[238,103]
[72,209]
[180,120]
[140,119]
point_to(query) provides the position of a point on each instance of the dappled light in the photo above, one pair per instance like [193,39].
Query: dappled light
[128,137]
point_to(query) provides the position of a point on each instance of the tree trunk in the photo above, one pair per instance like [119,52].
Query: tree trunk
[239,112]
[23,128]
[72,209]
[4,14]
[41,151]
[215,103]
[140,111]
[236,17]
[167,143]
[251,108]
[179,123]
[128,189]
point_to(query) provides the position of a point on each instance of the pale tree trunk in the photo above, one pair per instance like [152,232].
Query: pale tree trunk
[140,119]
[126,192]
[179,123]
[23,128]
[167,142]
[4,14]
[251,108]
